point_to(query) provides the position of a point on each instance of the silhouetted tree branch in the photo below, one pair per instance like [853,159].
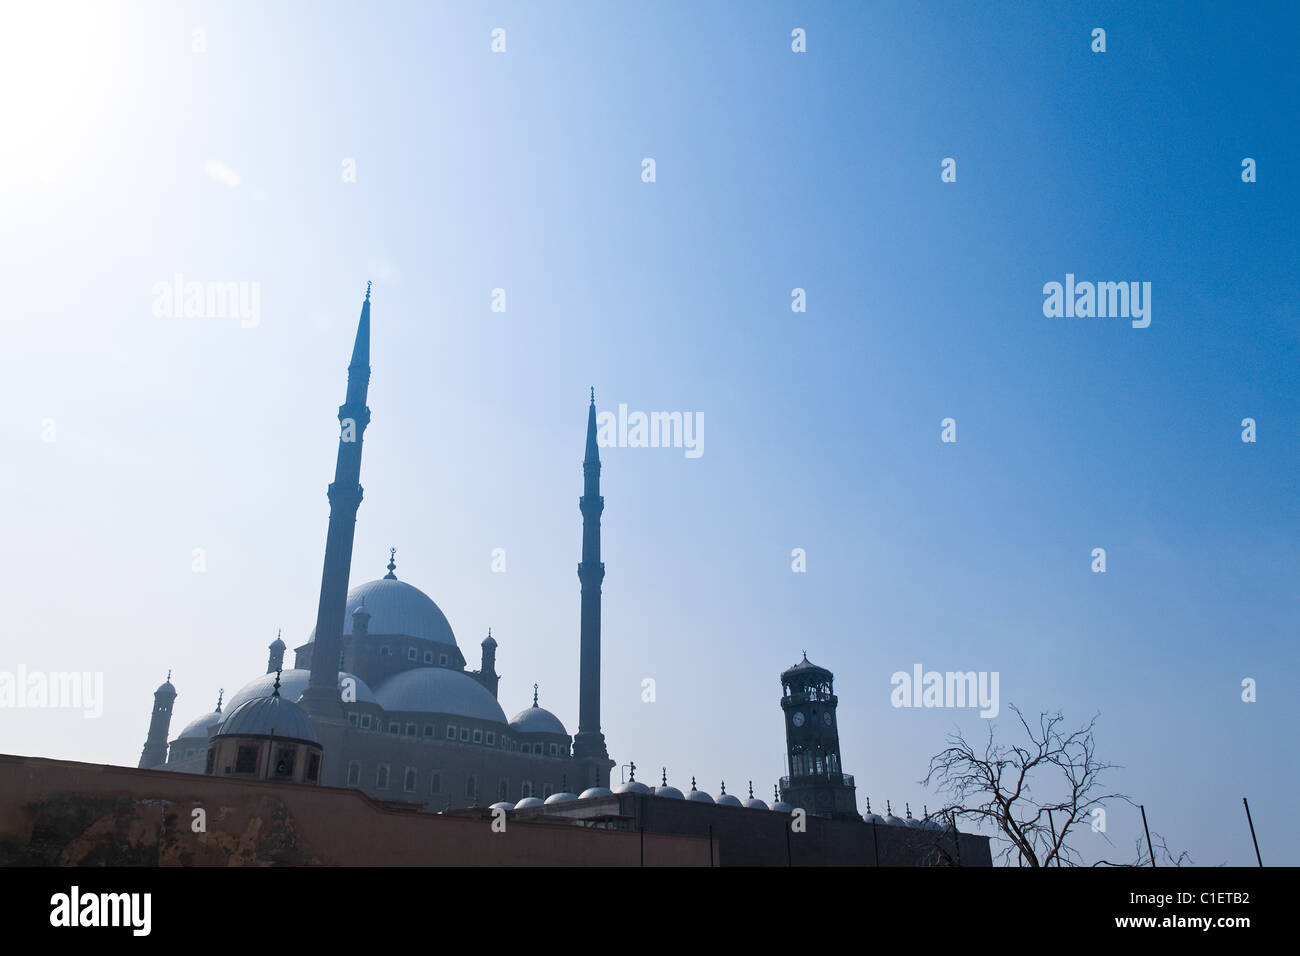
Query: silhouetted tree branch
[1032,795]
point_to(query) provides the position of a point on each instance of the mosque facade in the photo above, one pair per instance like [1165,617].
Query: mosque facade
[380,698]
[388,696]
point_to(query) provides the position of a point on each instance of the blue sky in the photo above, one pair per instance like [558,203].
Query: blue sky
[775,170]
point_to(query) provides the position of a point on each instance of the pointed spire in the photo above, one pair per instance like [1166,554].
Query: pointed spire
[692,783]
[392,565]
[169,675]
[361,348]
[220,694]
[724,788]
[631,771]
[665,776]
[751,790]
[534,695]
[776,793]
[593,451]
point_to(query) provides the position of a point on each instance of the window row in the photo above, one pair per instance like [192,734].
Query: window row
[410,782]
[413,654]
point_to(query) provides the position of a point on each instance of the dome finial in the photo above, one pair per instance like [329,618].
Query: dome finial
[392,565]
[367,290]
[751,790]
[868,804]
[220,694]
[889,810]
[169,673]
[724,788]
[631,771]
[909,810]
[534,695]
[276,691]
[692,783]
[776,793]
[665,776]
[593,394]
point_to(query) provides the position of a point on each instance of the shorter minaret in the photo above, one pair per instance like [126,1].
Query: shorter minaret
[275,660]
[487,672]
[155,745]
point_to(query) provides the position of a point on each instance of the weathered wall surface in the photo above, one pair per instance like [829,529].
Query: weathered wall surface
[62,813]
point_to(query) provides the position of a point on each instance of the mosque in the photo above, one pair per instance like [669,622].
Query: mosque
[380,699]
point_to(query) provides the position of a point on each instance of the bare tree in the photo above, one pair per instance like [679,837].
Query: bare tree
[1142,854]
[1034,796]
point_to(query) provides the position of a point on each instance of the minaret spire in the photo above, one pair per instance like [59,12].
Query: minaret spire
[590,742]
[321,696]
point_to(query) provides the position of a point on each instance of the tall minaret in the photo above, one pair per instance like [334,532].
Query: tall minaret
[155,745]
[322,695]
[590,742]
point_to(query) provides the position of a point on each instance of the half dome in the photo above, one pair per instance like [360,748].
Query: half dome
[292,684]
[439,690]
[203,727]
[267,717]
[537,720]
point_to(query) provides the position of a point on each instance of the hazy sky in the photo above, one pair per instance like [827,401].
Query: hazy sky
[129,157]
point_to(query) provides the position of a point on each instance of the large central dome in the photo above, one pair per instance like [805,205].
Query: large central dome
[397,608]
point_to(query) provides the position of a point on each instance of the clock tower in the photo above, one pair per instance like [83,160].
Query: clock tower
[817,781]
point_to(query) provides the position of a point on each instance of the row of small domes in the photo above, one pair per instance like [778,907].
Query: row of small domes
[699,796]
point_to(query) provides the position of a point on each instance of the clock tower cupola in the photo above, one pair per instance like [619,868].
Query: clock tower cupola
[817,781]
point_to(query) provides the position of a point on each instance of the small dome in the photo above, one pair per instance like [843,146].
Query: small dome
[632,786]
[439,690]
[755,804]
[894,821]
[292,684]
[503,805]
[873,818]
[728,799]
[663,790]
[537,720]
[277,644]
[931,823]
[806,668]
[202,727]
[268,716]
[166,688]
[782,807]
[697,796]
[591,792]
[527,802]
[562,797]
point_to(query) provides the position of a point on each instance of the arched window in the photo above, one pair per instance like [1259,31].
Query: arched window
[471,787]
[409,784]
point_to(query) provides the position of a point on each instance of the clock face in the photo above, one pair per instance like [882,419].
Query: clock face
[797,719]
[826,718]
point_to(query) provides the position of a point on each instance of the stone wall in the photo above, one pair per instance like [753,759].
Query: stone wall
[61,813]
